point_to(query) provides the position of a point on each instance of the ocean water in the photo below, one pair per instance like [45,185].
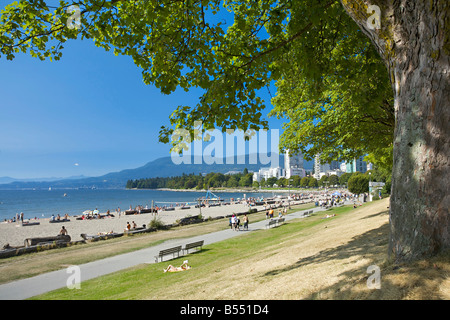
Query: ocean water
[44,203]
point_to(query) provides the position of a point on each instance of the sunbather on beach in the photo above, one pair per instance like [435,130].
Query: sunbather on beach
[63,231]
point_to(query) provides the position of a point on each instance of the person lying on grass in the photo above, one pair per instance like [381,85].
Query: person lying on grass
[183,267]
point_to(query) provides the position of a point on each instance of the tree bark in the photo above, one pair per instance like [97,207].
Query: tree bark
[414,43]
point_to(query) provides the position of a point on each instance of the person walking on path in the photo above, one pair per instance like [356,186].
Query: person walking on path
[233,222]
[245,219]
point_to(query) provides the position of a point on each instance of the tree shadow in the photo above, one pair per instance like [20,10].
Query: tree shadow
[367,244]
[376,214]
[421,280]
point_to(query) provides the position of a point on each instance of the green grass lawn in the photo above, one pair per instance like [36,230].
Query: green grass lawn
[150,282]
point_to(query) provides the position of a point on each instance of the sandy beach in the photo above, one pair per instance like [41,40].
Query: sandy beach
[15,233]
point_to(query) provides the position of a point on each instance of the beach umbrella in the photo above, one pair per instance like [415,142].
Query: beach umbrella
[336,194]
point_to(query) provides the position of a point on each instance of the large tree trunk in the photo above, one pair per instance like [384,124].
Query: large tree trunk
[414,42]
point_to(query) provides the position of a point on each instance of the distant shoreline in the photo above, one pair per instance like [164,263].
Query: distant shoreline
[233,190]
[204,190]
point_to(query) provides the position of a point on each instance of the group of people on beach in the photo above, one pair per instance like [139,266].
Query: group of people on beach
[333,200]
[58,217]
[131,226]
[18,217]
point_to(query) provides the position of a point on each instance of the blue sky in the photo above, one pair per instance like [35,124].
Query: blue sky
[88,114]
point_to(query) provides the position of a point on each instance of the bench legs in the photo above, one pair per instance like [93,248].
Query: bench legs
[162,256]
[187,250]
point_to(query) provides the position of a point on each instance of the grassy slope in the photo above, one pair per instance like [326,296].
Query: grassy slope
[33,264]
[311,258]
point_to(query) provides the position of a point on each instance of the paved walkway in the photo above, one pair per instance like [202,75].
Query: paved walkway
[26,288]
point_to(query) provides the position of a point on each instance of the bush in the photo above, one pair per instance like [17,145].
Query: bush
[358,184]
[156,223]
[387,188]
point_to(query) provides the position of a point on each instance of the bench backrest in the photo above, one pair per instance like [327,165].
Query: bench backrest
[171,250]
[194,244]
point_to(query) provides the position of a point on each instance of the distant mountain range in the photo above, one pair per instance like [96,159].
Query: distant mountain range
[161,167]
[4,180]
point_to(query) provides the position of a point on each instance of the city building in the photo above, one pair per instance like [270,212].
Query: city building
[335,165]
[267,173]
[357,165]
[293,165]
[327,169]
[337,172]
[320,169]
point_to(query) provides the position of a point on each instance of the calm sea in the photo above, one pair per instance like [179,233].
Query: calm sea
[44,203]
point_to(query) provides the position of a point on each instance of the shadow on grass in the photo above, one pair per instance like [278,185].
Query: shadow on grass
[376,214]
[366,245]
[420,280]
[195,252]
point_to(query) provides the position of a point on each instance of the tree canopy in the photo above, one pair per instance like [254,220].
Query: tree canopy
[346,108]
[332,86]
[232,50]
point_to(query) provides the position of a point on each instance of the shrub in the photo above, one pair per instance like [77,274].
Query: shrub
[358,184]
[156,223]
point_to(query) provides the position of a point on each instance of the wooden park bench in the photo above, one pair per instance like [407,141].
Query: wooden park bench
[193,245]
[271,223]
[173,251]
[275,222]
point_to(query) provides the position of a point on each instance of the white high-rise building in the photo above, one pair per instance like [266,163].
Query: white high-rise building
[267,173]
[320,168]
[293,165]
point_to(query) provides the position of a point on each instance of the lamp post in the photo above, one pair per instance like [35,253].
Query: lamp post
[289,198]
[199,201]
[326,185]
